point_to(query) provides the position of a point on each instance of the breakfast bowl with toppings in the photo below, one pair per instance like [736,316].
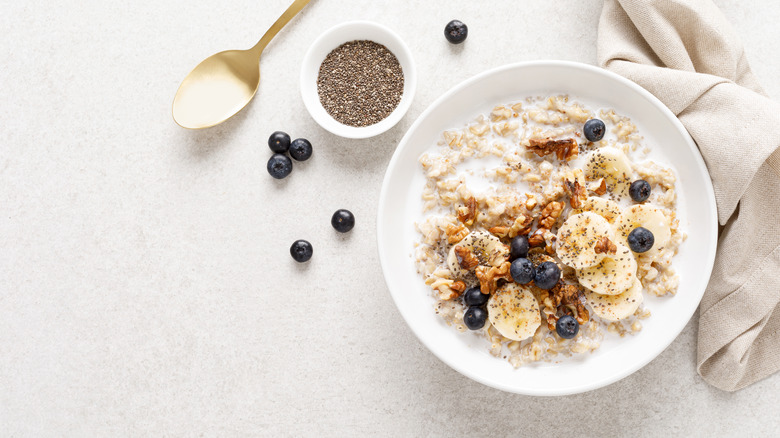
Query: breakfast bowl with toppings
[546,228]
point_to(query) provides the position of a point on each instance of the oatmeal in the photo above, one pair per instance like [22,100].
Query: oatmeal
[543,233]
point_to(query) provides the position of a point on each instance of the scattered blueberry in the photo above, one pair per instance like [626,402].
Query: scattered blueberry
[456,32]
[522,270]
[518,247]
[640,240]
[639,190]
[475,297]
[301,251]
[475,317]
[594,130]
[279,166]
[300,149]
[547,275]
[342,220]
[567,327]
[279,142]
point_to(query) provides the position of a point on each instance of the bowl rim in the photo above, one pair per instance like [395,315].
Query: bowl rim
[386,190]
[312,102]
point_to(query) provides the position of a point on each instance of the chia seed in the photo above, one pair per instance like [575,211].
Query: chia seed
[360,83]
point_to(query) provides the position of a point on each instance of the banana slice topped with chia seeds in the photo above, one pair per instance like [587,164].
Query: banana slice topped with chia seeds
[612,165]
[613,275]
[577,239]
[487,248]
[615,307]
[514,311]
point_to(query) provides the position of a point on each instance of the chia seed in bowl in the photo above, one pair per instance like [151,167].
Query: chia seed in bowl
[360,83]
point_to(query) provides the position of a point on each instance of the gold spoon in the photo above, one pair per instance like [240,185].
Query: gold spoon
[224,83]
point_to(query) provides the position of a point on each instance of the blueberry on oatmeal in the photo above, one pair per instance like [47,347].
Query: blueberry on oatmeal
[639,190]
[640,240]
[518,247]
[475,317]
[567,327]
[547,275]
[522,271]
[594,130]
[475,297]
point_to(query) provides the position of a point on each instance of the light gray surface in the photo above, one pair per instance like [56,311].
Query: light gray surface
[146,285]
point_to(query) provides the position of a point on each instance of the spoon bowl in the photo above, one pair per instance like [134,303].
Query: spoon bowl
[224,83]
[220,86]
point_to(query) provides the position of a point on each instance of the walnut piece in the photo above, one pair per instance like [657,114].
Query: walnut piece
[466,259]
[459,286]
[536,239]
[468,212]
[449,289]
[604,246]
[565,149]
[456,233]
[547,219]
[576,192]
[500,231]
[488,276]
[521,226]
[600,187]
[566,299]
[550,214]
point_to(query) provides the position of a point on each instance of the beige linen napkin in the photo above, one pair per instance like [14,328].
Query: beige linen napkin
[687,55]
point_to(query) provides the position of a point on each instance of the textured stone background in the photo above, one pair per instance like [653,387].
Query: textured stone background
[145,281]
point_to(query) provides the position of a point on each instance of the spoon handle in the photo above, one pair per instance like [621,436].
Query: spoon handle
[278,25]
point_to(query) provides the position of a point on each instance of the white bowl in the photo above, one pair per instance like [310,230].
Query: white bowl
[400,206]
[336,36]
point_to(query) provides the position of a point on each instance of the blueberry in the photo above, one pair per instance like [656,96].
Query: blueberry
[342,220]
[522,270]
[475,297]
[279,166]
[594,130]
[279,142]
[640,239]
[301,251]
[547,275]
[567,327]
[475,317]
[300,149]
[456,32]
[519,247]
[639,190]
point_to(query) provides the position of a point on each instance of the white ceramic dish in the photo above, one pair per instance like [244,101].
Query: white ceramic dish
[336,36]
[400,206]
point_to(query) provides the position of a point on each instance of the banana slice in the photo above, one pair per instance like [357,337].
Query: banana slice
[577,238]
[647,216]
[615,307]
[613,275]
[612,165]
[514,312]
[605,208]
[485,246]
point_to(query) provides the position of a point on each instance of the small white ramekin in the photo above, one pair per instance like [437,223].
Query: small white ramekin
[336,36]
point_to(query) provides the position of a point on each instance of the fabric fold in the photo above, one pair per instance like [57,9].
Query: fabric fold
[686,54]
